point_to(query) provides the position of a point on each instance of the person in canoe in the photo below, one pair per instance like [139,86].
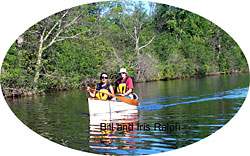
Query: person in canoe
[103,90]
[124,85]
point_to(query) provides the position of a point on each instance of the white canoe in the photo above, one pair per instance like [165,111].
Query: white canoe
[110,113]
[102,107]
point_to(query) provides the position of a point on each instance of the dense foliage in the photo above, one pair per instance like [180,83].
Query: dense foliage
[153,41]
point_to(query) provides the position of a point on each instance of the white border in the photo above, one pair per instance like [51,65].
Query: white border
[18,15]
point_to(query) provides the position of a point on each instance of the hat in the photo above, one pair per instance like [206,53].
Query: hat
[123,70]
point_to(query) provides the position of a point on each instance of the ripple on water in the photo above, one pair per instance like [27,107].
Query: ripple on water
[64,119]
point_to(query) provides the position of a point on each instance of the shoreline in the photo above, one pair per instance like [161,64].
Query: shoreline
[199,76]
[19,93]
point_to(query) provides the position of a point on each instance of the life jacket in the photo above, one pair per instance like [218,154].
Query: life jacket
[121,89]
[102,91]
[102,94]
[122,86]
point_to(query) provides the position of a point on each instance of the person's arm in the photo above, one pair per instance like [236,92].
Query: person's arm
[130,86]
[91,93]
[112,91]
[128,92]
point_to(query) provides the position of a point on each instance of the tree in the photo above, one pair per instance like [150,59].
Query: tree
[66,25]
[153,41]
[134,20]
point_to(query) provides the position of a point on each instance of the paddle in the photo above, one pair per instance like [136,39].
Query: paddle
[128,100]
[122,98]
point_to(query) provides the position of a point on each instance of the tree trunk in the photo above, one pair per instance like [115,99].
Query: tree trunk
[38,65]
[137,50]
[138,73]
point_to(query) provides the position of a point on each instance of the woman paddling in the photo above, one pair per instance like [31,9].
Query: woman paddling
[103,90]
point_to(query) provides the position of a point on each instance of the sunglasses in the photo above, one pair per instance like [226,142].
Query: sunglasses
[123,73]
[104,77]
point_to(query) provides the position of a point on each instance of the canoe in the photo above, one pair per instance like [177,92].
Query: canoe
[103,130]
[102,107]
[105,116]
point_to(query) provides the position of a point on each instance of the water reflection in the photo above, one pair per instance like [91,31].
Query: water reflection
[200,106]
[113,131]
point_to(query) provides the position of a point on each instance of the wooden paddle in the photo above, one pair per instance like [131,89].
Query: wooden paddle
[123,99]
[127,100]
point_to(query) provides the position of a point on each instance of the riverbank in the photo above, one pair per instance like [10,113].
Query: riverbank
[22,92]
[199,76]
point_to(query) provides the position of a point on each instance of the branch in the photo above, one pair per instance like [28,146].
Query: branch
[140,26]
[147,43]
[55,39]
[72,22]
[57,23]
[42,35]
[68,37]
[117,57]
[34,32]
[135,31]
[127,31]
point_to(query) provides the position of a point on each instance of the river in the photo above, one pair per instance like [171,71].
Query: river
[171,115]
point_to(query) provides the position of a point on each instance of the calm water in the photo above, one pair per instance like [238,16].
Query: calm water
[190,110]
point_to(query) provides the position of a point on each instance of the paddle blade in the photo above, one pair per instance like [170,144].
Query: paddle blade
[128,100]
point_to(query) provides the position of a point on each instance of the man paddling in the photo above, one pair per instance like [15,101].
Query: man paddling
[124,85]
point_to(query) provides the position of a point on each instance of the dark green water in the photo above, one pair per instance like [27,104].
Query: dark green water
[198,108]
